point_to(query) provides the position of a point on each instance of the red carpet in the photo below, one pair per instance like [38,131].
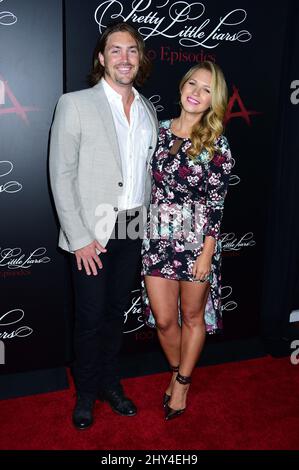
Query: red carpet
[242,405]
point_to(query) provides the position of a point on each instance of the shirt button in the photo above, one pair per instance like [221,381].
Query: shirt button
[120,184]
[115,209]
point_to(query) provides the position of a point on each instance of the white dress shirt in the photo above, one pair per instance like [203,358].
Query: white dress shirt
[134,139]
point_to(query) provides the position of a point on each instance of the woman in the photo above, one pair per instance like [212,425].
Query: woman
[182,250]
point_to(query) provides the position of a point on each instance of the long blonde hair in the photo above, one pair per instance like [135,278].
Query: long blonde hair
[210,127]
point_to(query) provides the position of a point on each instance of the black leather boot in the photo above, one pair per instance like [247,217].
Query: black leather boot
[118,401]
[83,412]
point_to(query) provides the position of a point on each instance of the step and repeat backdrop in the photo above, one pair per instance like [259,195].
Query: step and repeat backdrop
[244,37]
[32,319]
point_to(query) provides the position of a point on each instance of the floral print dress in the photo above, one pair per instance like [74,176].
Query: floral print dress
[186,205]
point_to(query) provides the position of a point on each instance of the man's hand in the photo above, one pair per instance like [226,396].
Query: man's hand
[88,256]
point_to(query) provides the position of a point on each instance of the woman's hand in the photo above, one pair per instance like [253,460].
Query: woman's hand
[202,267]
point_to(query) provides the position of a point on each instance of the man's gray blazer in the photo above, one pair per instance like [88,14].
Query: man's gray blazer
[85,166]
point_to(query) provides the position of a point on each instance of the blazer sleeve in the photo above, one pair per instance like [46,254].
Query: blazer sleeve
[63,165]
[217,185]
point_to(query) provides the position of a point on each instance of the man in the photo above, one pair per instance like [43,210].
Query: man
[102,140]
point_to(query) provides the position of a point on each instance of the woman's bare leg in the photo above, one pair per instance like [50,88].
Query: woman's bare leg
[163,296]
[193,301]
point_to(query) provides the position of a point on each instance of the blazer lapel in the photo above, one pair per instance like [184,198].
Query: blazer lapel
[105,113]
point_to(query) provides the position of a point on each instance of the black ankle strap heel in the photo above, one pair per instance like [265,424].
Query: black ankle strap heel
[167,397]
[183,379]
[171,413]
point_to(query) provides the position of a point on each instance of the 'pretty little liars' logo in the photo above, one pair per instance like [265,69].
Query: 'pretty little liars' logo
[9,104]
[189,23]
[242,112]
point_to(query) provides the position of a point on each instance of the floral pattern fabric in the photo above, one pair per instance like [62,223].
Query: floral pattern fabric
[186,206]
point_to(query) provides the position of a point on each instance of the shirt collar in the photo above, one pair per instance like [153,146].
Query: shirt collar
[112,95]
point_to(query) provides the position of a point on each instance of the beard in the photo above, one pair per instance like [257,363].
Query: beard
[122,78]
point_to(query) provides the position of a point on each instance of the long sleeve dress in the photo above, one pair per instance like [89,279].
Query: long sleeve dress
[186,206]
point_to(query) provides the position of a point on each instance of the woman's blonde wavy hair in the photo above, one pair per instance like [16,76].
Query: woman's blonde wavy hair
[210,127]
